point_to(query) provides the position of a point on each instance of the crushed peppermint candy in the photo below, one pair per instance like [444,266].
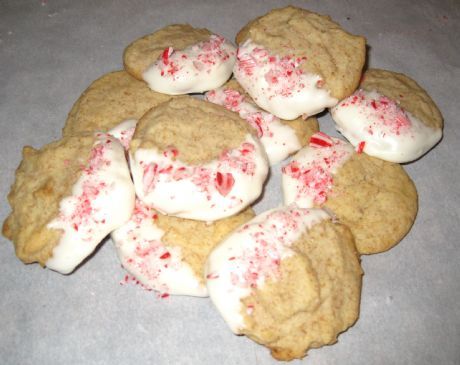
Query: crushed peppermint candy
[206,55]
[282,75]
[320,139]
[279,140]
[281,83]
[126,136]
[224,182]
[149,257]
[83,214]
[206,179]
[232,100]
[386,116]
[360,147]
[312,168]
[270,239]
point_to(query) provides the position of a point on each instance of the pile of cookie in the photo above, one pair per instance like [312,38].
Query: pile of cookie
[171,177]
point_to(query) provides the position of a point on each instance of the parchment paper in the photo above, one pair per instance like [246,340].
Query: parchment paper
[50,51]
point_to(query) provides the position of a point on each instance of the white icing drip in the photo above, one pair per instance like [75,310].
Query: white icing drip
[156,265]
[278,84]
[385,129]
[252,255]
[198,68]
[279,140]
[208,192]
[124,132]
[102,199]
[308,178]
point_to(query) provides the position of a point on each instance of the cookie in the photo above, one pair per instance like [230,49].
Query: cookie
[193,159]
[289,279]
[391,116]
[167,254]
[66,198]
[110,100]
[280,138]
[180,59]
[295,62]
[375,198]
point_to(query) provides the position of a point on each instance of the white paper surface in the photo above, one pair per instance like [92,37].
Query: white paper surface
[50,51]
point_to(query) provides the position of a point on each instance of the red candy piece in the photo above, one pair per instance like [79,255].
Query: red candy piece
[148,179]
[165,256]
[320,139]
[212,276]
[166,53]
[246,62]
[224,183]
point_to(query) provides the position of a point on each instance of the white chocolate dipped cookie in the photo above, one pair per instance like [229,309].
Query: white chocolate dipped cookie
[375,198]
[179,59]
[390,117]
[280,138]
[66,198]
[289,279]
[167,254]
[193,159]
[294,62]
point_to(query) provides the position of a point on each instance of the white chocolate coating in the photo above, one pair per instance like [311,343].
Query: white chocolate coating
[308,177]
[208,192]
[252,255]
[124,132]
[383,128]
[102,200]
[279,140]
[156,265]
[195,69]
[278,84]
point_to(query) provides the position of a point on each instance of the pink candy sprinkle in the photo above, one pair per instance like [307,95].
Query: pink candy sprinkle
[171,152]
[148,180]
[212,276]
[261,259]
[234,101]
[165,256]
[256,121]
[282,73]
[165,55]
[384,113]
[320,139]
[206,179]
[245,62]
[315,178]
[224,182]
[210,53]
[82,215]
[126,136]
